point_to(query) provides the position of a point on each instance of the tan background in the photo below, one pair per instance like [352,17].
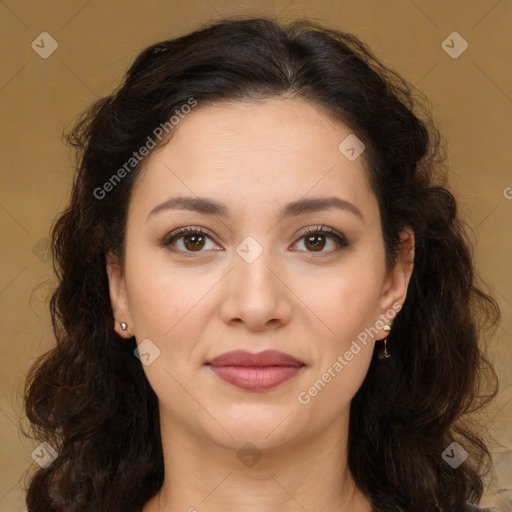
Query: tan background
[471,97]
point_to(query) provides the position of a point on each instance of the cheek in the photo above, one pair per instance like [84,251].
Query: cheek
[348,307]
[163,296]
[172,306]
[347,300]
[336,384]
[168,307]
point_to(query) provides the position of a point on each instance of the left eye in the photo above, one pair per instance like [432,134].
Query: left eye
[314,238]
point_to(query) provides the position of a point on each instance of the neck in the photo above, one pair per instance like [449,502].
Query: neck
[310,474]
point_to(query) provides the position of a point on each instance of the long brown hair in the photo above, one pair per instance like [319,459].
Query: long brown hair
[88,397]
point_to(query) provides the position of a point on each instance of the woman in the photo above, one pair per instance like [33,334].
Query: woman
[266,298]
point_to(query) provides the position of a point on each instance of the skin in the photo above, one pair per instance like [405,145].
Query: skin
[255,157]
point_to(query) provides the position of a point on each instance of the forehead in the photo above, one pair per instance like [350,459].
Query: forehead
[266,152]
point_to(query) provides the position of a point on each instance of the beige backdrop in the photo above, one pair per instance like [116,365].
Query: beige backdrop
[471,95]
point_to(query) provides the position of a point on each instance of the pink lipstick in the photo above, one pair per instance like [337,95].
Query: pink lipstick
[255,372]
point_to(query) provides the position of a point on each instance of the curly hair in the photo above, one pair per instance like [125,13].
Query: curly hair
[89,398]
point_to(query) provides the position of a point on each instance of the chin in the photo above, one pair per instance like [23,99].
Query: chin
[265,431]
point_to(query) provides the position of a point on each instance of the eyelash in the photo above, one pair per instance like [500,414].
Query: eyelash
[339,238]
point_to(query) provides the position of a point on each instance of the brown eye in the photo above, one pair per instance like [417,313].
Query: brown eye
[193,241]
[315,242]
[186,241]
[316,239]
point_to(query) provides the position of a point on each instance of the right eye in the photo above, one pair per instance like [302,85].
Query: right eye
[193,240]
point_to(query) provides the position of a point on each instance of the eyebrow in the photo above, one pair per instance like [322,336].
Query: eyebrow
[211,207]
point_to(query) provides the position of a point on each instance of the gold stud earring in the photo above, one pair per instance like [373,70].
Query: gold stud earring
[124,327]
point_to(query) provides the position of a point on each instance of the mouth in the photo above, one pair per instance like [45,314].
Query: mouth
[255,372]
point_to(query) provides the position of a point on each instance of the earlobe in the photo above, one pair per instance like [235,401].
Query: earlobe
[118,297]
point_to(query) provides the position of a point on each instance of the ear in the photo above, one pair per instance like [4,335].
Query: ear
[118,296]
[397,281]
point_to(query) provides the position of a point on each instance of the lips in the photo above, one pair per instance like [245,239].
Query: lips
[265,358]
[255,372]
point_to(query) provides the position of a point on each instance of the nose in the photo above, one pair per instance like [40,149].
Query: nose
[256,294]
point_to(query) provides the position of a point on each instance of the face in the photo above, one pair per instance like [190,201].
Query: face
[268,270]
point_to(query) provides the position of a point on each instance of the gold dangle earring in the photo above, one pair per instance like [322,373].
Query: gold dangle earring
[385,354]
